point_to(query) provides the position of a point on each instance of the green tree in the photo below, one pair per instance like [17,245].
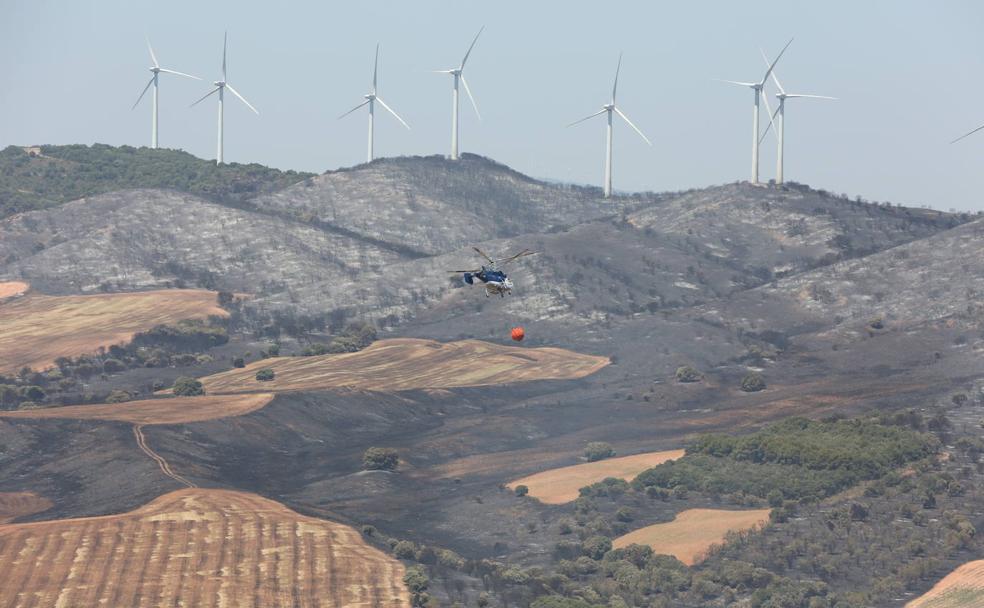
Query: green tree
[752,383]
[522,490]
[687,373]
[265,375]
[598,450]
[380,459]
[187,387]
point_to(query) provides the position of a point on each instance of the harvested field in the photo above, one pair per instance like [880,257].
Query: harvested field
[19,504]
[177,410]
[558,486]
[691,534]
[198,548]
[9,289]
[36,329]
[406,363]
[962,588]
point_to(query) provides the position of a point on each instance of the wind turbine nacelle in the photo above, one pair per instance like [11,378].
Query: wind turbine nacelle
[218,83]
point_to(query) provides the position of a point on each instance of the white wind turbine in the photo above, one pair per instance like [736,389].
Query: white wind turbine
[156,71]
[757,88]
[611,108]
[780,129]
[459,76]
[371,100]
[220,87]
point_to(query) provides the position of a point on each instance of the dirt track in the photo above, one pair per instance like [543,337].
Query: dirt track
[406,363]
[177,410]
[195,547]
[558,486]
[693,532]
[38,328]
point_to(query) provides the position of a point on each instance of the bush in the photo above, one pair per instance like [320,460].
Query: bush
[596,547]
[112,366]
[265,375]
[688,374]
[753,383]
[238,362]
[522,490]
[380,459]
[274,350]
[416,579]
[187,387]
[118,396]
[598,450]
[405,549]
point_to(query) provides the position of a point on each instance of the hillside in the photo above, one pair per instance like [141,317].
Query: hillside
[64,173]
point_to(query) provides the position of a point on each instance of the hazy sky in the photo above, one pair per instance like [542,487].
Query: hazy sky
[909,75]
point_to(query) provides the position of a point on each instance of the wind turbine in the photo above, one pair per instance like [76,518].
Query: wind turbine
[757,88]
[459,76]
[156,71]
[611,108]
[371,100]
[967,134]
[781,115]
[220,87]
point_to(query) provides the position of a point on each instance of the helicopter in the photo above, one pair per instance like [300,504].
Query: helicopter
[496,281]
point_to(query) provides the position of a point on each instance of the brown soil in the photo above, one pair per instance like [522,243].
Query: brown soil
[195,547]
[10,289]
[18,504]
[558,486]
[693,532]
[177,410]
[38,328]
[406,363]
[962,588]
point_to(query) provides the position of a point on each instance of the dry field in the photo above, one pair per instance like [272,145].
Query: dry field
[962,588]
[194,547]
[12,288]
[36,329]
[177,410]
[405,363]
[558,486]
[19,504]
[691,534]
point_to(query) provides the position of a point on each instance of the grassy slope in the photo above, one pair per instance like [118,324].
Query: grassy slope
[65,173]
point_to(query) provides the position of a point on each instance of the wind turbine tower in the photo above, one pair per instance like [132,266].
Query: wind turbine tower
[611,109]
[156,71]
[220,87]
[370,100]
[458,75]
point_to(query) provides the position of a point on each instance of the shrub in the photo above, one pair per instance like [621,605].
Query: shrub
[274,350]
[380,459]
[596,547]
[688,374]
[112,366]
[238,362]
[368,530]
[405,549]
[598,450]
[416,579]
[753,383]
[522,490]
[312,350]
[187,387]
[118,396]
[265,375]
[33,393]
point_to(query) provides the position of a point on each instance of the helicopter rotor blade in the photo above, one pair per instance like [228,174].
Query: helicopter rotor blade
[484,255]
[461,271]
[521,254]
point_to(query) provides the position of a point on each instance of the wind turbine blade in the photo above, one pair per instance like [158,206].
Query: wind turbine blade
[626,119]
[737,82]
[602,111]
[144,92]
[210,93]
[967,134]
[769,126]
[443,71]
[811,96]
[241,98]
[152,55]
[463,61]
[180,73]
[366,102]
[390,110]
[775,78]
[375,68]
[225,39]
[768,109]
[470,96]
[617,69]
[773,65]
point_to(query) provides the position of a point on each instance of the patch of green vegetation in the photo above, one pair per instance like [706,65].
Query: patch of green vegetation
[64,173]
[802,459]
